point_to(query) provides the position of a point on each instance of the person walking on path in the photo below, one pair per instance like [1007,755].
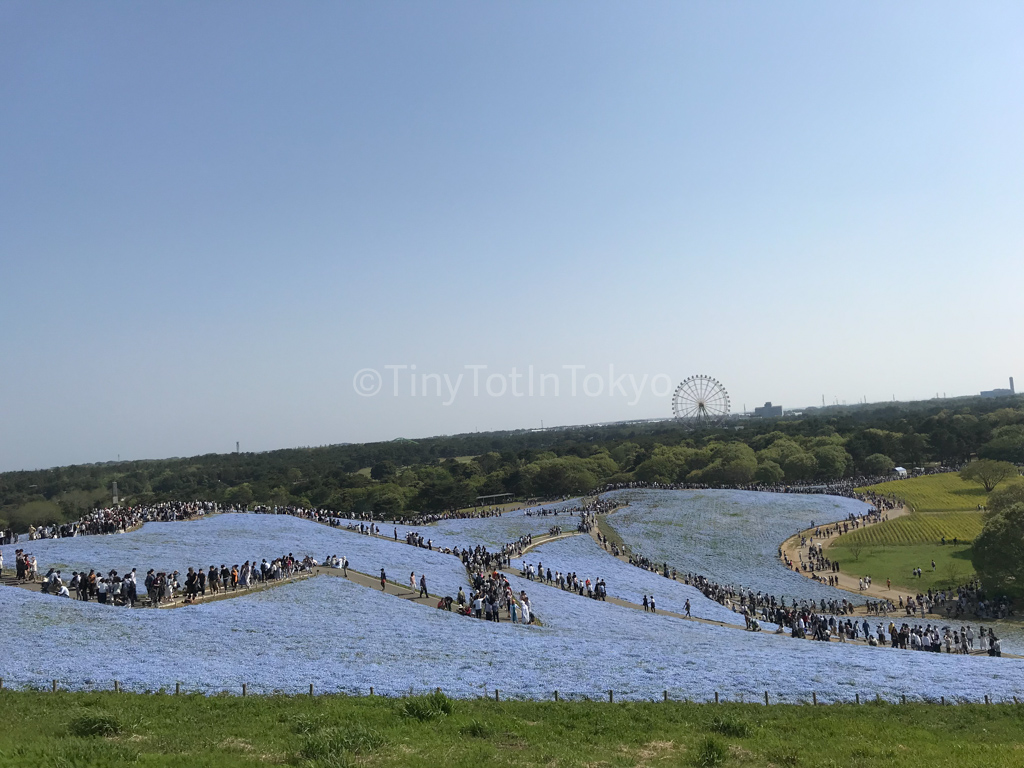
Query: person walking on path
[646,604]
[687,606]
[423,585]
[383,580]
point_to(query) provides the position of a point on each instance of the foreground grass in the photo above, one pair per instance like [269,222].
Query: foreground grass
[108,729]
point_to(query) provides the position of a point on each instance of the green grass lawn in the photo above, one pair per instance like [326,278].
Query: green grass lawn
[941,505]
[111,730]
[945,492]
[952,565]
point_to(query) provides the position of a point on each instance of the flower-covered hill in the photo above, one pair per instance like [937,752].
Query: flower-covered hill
[343,637]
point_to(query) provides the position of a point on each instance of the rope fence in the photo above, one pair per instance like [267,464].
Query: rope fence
[8,684]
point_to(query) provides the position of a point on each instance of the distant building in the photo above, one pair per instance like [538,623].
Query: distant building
[769,411]
[1000,392]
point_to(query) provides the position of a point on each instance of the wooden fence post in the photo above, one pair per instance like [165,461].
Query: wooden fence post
[371,690]
[496,698]
[903,698]
[245,689]
[943,701]
[666,695]
[177,689]
[986,698]
[814,697]
[117,686]
[556,695]
[716,697]
[766,698]
[857,698]
[310,689]
[611,697]
[54,686]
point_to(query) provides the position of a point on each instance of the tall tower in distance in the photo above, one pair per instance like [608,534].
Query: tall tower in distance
[1011,386]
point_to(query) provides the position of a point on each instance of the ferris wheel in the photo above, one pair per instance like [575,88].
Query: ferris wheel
[701,401]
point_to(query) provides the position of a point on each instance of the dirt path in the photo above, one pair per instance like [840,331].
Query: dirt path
[850,583]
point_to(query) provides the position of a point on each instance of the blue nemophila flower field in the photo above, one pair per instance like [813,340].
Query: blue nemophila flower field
[233,539]
[731,537]
[583,556]
[344,637]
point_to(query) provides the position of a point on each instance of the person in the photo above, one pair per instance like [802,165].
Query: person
[383,580]
[647,606]
[423,585]
[344,565]
[412,581]
[652,605]
[687,607]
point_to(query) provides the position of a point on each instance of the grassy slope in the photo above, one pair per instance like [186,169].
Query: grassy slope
[943,505]
[112,730]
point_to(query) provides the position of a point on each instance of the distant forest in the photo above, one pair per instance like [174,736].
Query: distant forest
[403,477]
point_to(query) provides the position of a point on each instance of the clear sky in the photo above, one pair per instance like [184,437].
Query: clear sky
[213,215]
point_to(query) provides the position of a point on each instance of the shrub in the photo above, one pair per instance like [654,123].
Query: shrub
[336,744]
[94,724]
[430,707]
[710,753]
[476,729]
[728,726]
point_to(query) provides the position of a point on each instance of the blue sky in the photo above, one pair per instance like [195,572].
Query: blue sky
[213,215]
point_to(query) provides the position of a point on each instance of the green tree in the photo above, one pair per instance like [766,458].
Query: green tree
[1007,444]
[769,473]
[387,500]
[240,494]
[800,466]
[731,464]
[998,553]
[988,473]
[832,461]
[878,464]
[383,470]
[1003,498]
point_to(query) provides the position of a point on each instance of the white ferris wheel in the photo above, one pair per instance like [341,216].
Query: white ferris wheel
[700,401]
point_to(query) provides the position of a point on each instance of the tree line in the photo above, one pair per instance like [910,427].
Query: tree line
[403,477]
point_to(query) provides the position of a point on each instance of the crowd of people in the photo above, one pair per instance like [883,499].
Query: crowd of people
[113,520]
[490,595]
[161,587]
[846,487]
